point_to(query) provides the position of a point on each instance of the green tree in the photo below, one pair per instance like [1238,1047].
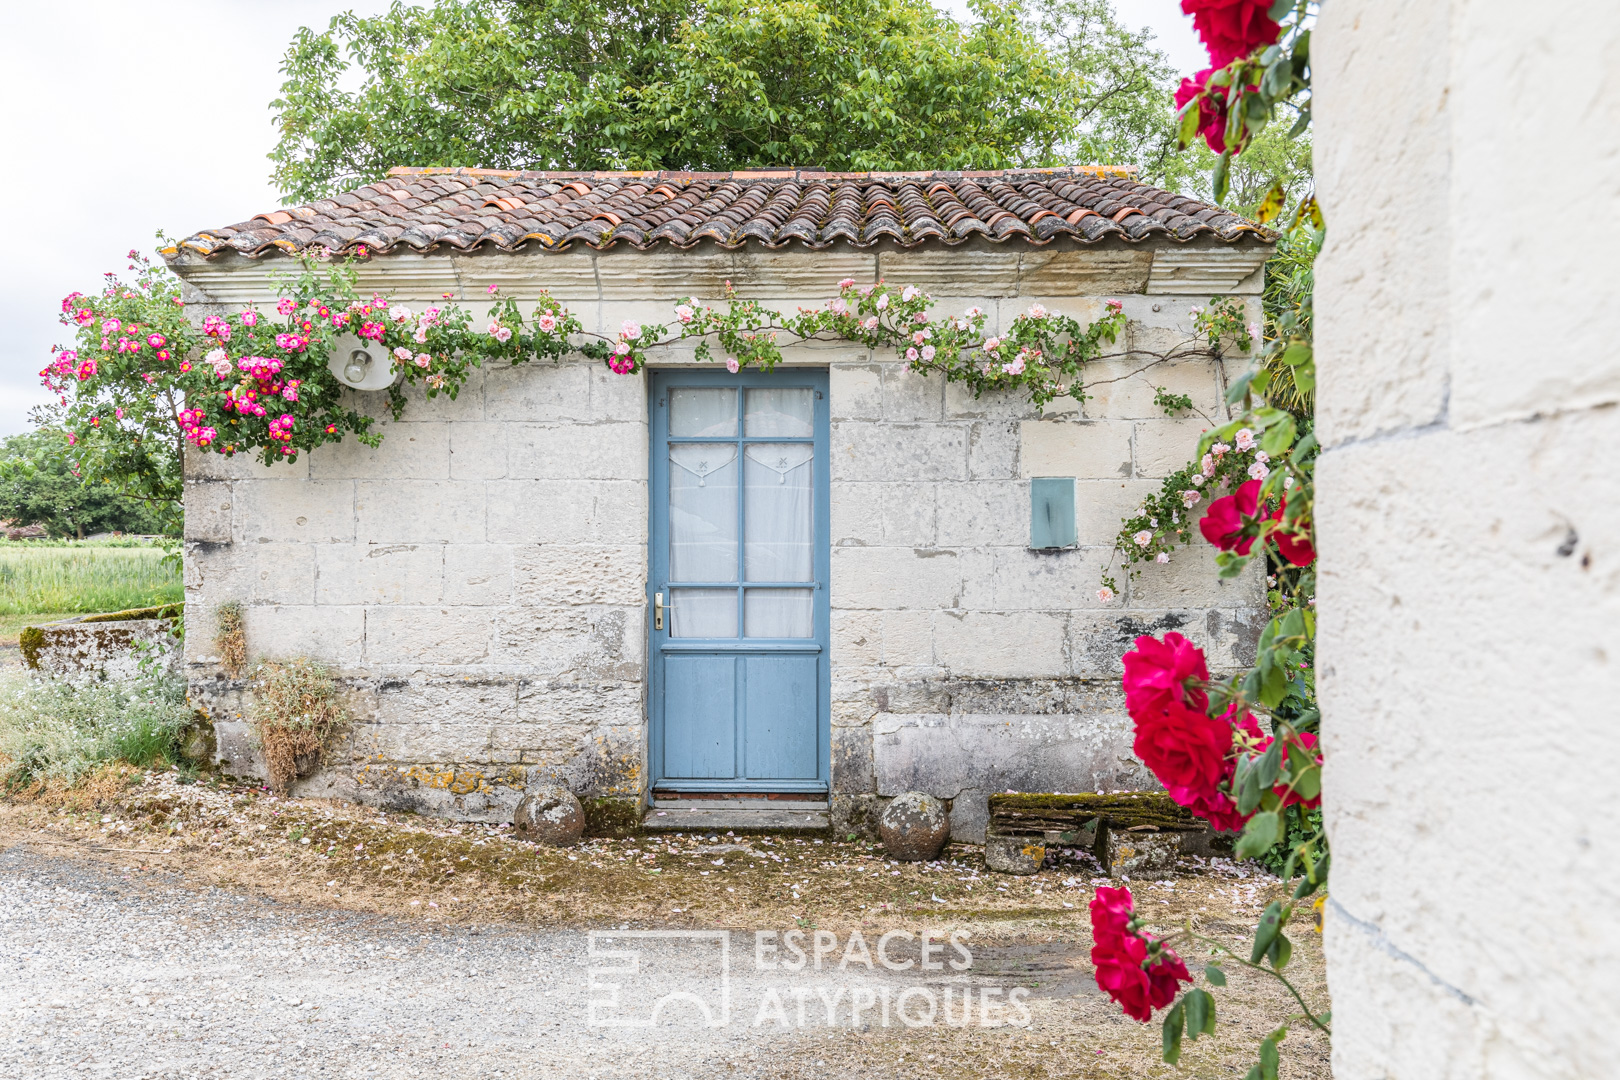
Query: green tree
[38,486]
[718,84]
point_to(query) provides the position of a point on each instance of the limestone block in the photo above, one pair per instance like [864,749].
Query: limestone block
[594,705]
[283,573]
[559,574]
[1145,855]
[1189,580]
[1097,639]
[479,574]
[1014,854]
[862,451]
[600,451]
[970,816]
[236,750]
[618,397]
[418,451]
[993,450]
[989,512]
[422,700]
[880,514]
[852,761]
[427,635]
[1085,449]
[567,511]
[208,511]
[947,755]
[419,408]
[1167,331]
[529,393]
[1017,578]
[1232,638]
[960,404]
[1001,645]
[478,450]
[1115,389]
[910,397]
[908,638]
[205,465]
[1086,307]
[419,511]
[1058,274]
[894,578]
[441,742]
[296,511]
[593,643]
[214,573]
[332,635]
[1164,446]
[379,573]
[1101,506]
[857,637]
[855,391]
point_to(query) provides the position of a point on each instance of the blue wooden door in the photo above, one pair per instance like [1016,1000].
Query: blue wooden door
[738,582]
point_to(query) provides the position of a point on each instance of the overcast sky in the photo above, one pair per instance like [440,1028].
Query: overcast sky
[123,118]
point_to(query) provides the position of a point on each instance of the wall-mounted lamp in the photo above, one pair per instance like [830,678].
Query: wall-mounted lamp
[361,364]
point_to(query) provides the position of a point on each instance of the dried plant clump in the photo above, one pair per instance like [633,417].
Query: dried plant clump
[231,640]
[295,712]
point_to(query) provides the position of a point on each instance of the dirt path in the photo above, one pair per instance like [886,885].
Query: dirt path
[133,947]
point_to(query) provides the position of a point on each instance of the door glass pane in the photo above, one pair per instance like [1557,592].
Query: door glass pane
[777,529]
[703,413]
[774,613]
[703,613]
[782,413]
[703,512]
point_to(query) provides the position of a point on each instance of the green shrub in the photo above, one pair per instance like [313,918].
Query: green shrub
[51,729]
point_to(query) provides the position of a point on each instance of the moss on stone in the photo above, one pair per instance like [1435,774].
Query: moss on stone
[610,816]
[1012,815]
[32,640]
[166,611]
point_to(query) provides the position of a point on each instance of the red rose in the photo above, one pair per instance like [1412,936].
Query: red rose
[1131,967]
[1211,110]
[1231,29]
[1187,751]
[1156,673]
[1228,522]
[1295,547]
[1307,741]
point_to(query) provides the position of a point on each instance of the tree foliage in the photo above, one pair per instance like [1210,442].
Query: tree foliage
[38,486]
[718,84]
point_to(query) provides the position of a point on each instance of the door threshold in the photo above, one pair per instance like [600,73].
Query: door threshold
[738,815]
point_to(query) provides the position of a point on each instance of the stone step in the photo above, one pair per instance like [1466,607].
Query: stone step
[737,815]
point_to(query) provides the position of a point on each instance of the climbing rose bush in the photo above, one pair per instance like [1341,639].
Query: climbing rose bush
[1231,29]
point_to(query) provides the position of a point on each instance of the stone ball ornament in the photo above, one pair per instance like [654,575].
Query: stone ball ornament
[914,827]
[549,815]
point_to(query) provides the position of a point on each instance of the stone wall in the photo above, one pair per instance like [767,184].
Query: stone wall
[78,651]
[480,580]
[1469,532]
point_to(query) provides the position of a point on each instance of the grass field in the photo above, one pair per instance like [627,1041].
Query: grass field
[40,581]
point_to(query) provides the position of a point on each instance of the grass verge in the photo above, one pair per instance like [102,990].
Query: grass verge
[38,577]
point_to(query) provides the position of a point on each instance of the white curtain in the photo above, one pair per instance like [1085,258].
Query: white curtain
[703,538]
[778,535]
[701,412]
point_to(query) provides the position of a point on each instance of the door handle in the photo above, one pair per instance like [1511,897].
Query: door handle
[658,611]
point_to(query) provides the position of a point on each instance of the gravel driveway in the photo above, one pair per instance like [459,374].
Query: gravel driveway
[106,972]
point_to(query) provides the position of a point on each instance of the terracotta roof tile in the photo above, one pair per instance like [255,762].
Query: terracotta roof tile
[462,209]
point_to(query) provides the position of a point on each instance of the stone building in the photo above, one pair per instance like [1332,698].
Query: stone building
[788,594]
